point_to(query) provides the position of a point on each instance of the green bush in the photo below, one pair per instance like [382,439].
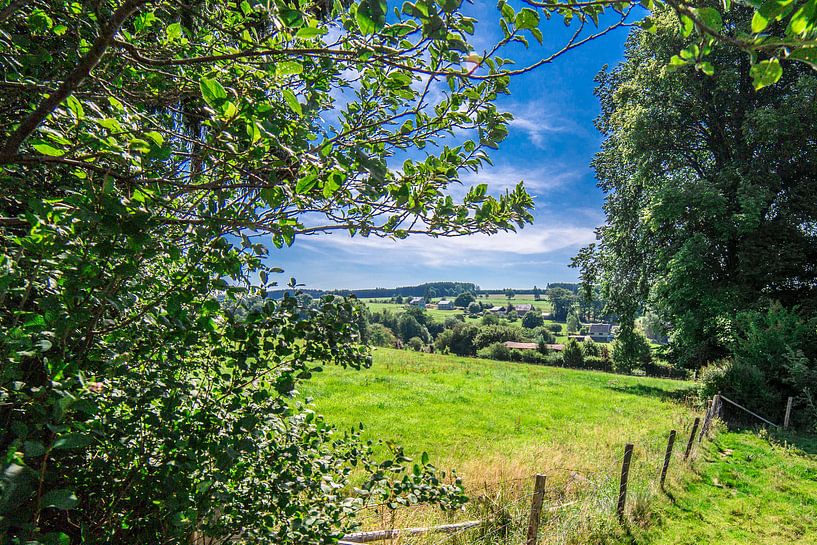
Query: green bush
[532,319]
[380,335]
[458,340]
[631,350]
[495,351]
[497,333]
[572,355]
[739,381]
[415,343]
[556,328]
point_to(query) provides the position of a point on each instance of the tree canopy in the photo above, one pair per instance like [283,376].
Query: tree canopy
[710,192]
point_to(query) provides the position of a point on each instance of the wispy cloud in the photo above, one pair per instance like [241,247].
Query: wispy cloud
[540,178]
[459,251]
[538,121]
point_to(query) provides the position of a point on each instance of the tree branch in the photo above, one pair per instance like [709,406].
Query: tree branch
[74,79]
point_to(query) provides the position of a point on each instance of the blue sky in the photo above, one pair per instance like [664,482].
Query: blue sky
[551,143]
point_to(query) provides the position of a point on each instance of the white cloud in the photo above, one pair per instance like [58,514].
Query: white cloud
[505,176]
[537,121]
[456,251]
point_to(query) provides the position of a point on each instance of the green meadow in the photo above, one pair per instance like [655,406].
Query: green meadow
[499,423]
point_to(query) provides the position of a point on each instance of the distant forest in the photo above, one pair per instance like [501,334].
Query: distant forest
[429,289]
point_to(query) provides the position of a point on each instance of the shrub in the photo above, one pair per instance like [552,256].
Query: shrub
[555,328]
[490,319]
[665,370]
[458,340]
[464,299]
[495,351]
[408,327]
[591,349]
[415,343]
[631,350]
[497,334]
[597,363]
[380,335]
[532,319]
[572,355]
[474,308]
[739,381]
[452,321]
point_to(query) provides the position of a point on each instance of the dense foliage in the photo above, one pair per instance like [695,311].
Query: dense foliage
[711,207]
[147,387]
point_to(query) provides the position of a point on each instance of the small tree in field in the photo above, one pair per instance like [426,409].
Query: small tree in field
[464,299]
[532,319]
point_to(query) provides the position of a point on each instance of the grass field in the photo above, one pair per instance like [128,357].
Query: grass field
[747,491]
[492,418]
[502,422]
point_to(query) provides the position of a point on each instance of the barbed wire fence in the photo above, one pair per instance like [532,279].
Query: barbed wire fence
[556,506]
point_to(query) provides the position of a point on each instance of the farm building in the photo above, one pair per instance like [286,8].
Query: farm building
[532,346]
[445,305]
[600,333]
[497,310]
[417,302]
[522,309]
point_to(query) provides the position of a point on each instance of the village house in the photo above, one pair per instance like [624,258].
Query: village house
[445,304]
[417,302]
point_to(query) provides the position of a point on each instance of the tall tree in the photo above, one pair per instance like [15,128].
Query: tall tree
[711,191]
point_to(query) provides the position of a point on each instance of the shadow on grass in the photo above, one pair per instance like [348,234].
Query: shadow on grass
[679,395]
[806,442]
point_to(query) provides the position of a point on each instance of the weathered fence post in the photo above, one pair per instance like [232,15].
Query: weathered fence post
[788,413]
[692,437]
[625,475]
[707,419]
[670,443]
[536,510]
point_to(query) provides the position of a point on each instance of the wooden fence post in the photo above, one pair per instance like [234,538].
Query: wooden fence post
[536,509]
[692,437]
[670,443]
[707,419]
[788,413]
[625,475]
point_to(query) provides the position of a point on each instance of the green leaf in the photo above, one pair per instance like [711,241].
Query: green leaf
[687,26]
[707,68]
[286,68]
[805,54]
[72,440]
[803,19]
[308,32]
[60,498]
[527,19]
[766,73]
[156,137]
[292,102]
[759,22]
[306,183]
[173,31]
[75,106]
[710,17]
[212,92]
[47,149]
[371,15]
[33,448]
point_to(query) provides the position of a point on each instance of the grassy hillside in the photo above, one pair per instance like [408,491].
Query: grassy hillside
[499,423]
[492,419]
[747,491]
